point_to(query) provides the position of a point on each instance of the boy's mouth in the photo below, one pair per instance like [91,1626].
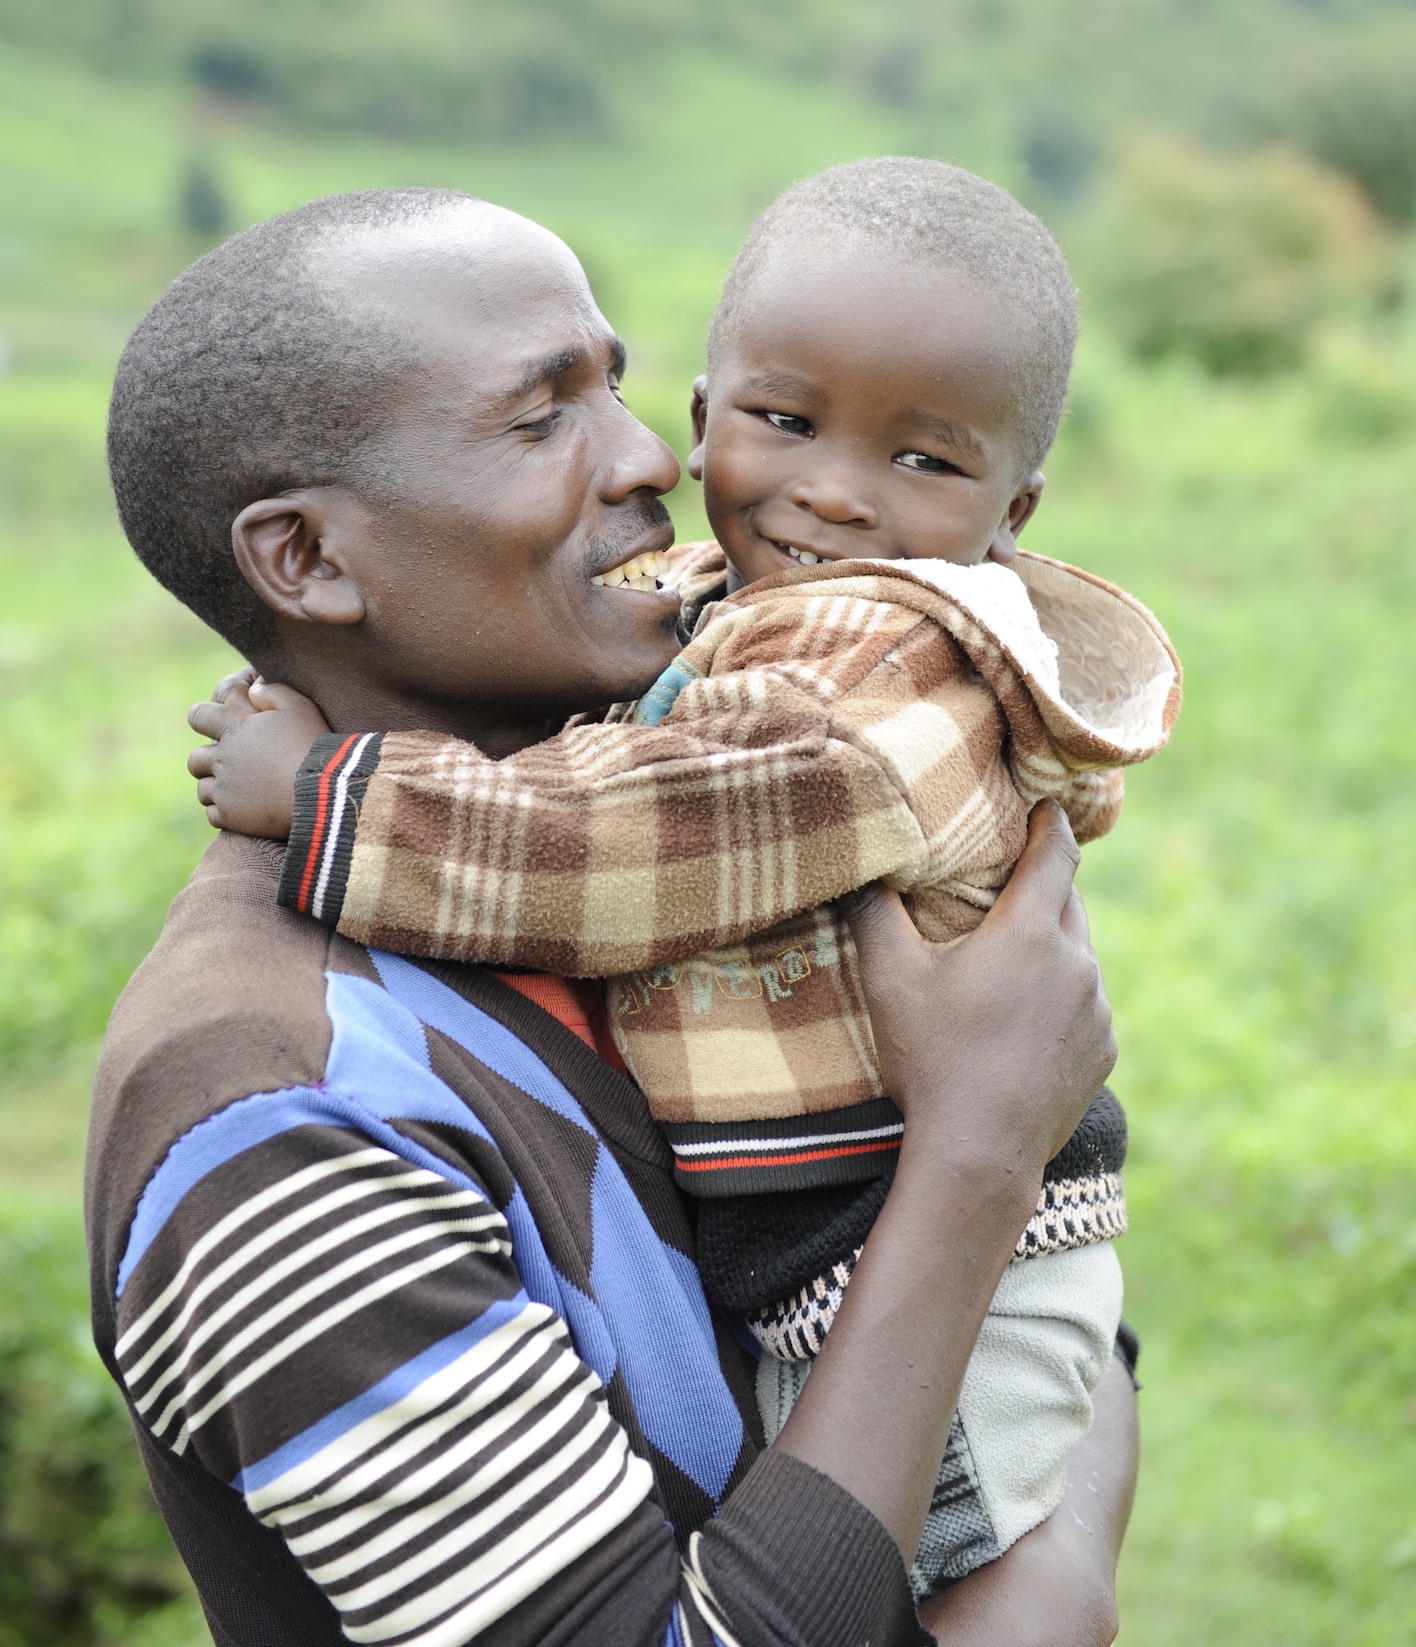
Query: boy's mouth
[806,557]
[646,573]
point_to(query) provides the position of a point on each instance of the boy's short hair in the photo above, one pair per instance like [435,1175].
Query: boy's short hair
[926,212]
[247,378]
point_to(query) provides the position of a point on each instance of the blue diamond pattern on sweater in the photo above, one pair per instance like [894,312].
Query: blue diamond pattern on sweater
[647,1317]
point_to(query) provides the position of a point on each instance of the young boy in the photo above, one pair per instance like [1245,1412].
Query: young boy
[886,690]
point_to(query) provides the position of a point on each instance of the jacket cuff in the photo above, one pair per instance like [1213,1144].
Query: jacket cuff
[328,790]
[807,1559]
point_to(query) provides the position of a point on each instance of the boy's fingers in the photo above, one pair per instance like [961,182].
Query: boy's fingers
[201,763]
[1043,875]
[212,720]
[239,679]
[272,695]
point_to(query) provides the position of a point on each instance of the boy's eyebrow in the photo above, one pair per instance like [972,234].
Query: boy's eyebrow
[958,435]
[555,364]
[769,381]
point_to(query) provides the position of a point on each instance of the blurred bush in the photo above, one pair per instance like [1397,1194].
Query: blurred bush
[1059,150]
[1232,260]
[1359,118]
[1361,393]
[83,1555]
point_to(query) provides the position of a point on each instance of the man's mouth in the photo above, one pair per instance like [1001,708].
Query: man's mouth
[646,573]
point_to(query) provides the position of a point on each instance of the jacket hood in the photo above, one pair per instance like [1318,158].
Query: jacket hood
[1098,664]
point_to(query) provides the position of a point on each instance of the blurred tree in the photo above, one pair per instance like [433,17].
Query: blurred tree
[203,200]
[1233,261]
[83,1555]
[1359,117]
[1059,151]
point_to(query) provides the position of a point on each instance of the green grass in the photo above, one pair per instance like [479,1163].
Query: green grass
[1255,910]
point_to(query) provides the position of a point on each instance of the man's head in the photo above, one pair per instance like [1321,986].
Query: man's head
[887,367]
[378,444]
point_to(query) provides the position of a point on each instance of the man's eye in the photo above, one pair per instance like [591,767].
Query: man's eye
[541,425]
[926,464]
[788,423]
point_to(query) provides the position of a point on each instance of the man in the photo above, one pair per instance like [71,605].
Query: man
[389,1264]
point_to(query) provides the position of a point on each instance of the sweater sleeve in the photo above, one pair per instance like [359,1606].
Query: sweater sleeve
[607,848]
[330,1321]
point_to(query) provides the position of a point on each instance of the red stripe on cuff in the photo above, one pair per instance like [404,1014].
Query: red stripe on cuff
[785,1160]
[321,813]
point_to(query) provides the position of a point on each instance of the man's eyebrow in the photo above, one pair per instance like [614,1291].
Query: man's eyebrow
[958,435]
[556,364]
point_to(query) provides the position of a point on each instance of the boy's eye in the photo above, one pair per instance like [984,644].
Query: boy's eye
[788,423]
[926,464]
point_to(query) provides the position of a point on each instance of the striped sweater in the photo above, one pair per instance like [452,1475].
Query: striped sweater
[393,1274]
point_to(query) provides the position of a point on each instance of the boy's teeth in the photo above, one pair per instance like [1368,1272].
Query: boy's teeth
[643,572]
[805,556]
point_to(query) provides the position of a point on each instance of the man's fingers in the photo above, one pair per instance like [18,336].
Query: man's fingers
[1074,918]
[1043,875]
[882,929]
[238,680]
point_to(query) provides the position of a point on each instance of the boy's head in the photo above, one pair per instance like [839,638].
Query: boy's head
[887,367]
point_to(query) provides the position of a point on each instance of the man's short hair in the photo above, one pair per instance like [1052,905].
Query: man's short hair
[247,378]
[928,213]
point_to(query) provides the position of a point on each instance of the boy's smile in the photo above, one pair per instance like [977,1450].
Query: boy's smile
[859,408]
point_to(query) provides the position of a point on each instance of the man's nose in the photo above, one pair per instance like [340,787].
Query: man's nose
[834,493]
[640,461]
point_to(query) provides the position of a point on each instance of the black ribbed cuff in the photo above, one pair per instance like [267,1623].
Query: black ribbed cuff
[328,789]
[808,1562]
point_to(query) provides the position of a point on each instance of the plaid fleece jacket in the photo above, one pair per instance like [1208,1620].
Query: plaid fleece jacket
[823,729]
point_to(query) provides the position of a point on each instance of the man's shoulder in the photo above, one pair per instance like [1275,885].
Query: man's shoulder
[230,1001]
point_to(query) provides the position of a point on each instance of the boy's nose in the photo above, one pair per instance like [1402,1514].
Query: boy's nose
[834,496]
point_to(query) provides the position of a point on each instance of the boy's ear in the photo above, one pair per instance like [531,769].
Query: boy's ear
[1022,506]
[698,416]
[286,553]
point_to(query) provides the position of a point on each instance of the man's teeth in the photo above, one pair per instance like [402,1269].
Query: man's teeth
[643,572]
[805,556]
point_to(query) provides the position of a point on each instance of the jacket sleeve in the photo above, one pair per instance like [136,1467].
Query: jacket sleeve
[327,1331]
[607,848]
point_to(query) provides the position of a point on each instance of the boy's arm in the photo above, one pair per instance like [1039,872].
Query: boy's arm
[608,848]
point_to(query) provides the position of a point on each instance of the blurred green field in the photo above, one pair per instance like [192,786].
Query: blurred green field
[1255,911]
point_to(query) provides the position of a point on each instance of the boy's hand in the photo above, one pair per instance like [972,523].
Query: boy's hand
[246,778]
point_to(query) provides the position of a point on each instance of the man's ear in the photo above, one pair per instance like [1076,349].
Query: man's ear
[283,548]
[1022,506]
[698,416]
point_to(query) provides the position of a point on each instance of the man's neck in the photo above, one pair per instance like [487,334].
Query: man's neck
[356,706]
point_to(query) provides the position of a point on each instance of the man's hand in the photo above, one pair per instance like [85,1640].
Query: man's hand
[1015,1011]
[246,778]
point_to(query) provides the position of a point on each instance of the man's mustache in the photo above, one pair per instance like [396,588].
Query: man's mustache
[644,518]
